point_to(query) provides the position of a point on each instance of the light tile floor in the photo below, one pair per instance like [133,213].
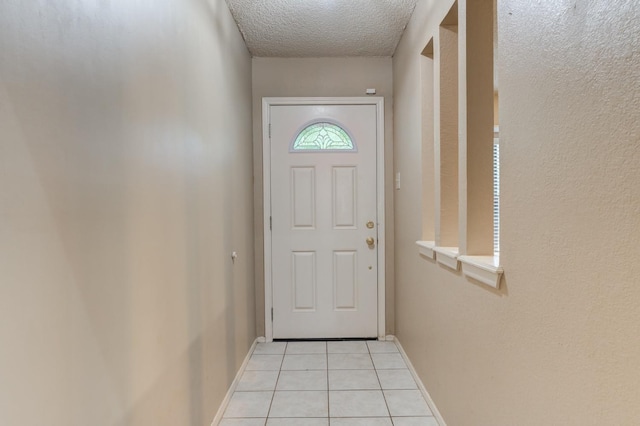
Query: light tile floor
[350,383]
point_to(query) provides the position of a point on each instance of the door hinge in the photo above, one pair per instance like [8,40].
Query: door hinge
[271,314]
[269,130]
[270,223]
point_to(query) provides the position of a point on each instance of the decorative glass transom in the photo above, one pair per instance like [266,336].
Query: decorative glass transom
[323,136]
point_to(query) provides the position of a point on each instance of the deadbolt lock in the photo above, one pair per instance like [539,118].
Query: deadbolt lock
[370,224]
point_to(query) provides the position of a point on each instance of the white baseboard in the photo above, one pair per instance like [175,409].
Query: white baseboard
[234,384]
[425,394]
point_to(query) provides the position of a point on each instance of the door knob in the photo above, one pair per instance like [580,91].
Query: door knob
[370,241]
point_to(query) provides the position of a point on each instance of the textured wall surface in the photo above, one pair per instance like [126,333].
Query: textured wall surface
[558,344]
[312,28]
[125,183]
[336,77]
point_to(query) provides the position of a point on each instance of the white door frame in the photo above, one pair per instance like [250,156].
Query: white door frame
[378,101]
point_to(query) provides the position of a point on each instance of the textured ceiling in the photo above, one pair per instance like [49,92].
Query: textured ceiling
[321,28]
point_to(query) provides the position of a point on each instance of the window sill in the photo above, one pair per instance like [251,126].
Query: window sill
[426,249]
[447,256]
[485,269]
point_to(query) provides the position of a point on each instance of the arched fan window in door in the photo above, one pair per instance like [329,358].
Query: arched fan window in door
[323,136]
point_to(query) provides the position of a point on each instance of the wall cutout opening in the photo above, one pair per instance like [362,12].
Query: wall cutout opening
[477,128]
[446,132]
[496,137]
[428,158]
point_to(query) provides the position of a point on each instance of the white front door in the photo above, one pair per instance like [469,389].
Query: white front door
[324,222]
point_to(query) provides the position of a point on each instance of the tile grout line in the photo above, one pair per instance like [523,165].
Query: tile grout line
[328,397]
[276,385]
[380,383]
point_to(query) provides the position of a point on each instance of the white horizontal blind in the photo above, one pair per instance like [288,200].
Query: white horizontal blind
[496,191]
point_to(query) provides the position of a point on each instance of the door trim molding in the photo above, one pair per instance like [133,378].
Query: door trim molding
[267,103]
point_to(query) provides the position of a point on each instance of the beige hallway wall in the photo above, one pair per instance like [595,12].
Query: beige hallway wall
[558,344]
[125,183]
[315,77]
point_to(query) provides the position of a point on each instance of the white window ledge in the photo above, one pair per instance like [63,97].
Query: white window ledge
[485,269]
[447,256]
[426,248]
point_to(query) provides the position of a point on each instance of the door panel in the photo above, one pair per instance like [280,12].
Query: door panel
[345,279]
[324,273]
[303,198]
[304,281]
[345,197]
